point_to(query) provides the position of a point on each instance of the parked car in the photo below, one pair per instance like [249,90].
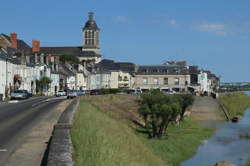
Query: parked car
[60,93]
[80,92]
[72,94]
[19,94]
[95,92]
[135,91]
[29,93]
[83,92]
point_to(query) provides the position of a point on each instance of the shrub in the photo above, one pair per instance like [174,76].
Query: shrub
[185,100]
[69,58]
[158,110]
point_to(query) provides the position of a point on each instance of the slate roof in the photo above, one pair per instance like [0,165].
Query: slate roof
[194,70]
[77,51]
[21,45]
[64,70]
[162,70]
[2,52]
[5,55]
[91,25]
[109,65]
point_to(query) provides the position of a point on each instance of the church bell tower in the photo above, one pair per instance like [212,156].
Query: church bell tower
[91,35]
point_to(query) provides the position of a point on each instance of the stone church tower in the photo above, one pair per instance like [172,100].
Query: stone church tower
[91,35]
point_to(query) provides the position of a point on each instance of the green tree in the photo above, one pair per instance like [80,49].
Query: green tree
[158,110]
[185,100]
[69,58]
[43,83]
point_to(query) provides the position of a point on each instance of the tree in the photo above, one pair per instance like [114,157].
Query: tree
[69,58]
[185,100]
[43,83]
[158,110]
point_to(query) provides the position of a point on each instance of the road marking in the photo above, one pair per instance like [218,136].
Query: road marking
[57,98]
[13,101]
[50,99]
[3,150]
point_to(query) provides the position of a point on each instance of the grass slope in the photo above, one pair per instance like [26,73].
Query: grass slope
[235,103]
[102,135]
[182,142]
[100,140]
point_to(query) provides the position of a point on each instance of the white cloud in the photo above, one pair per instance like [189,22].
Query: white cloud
[216,28]
[121,19]
[172,22]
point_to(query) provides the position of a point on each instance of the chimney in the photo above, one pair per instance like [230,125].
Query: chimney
[35,46]
[13,38]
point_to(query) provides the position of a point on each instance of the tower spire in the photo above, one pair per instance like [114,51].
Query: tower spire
[91,34]
[91,16]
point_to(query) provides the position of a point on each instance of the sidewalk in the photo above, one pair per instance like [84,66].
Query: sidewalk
[206,109]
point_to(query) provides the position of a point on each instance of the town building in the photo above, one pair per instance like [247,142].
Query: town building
[111,74]
[24,66]
[168,77]
[88,52]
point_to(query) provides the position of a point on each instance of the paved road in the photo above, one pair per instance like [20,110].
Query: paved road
[17,119]
[207,109]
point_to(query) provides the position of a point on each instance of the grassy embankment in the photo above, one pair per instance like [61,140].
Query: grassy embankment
[103,134]
[235,103]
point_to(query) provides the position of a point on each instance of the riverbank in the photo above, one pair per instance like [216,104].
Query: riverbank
[235,103]
[101,140]
[103,134]
[182,143]
[231,141]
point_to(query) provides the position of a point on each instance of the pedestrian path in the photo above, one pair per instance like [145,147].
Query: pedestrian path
[207,109]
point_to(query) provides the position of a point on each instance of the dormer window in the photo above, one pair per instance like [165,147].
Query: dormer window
[164,70]
[154,71]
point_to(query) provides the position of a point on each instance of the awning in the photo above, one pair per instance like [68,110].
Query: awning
[144,87]
[164,87]
[155,87]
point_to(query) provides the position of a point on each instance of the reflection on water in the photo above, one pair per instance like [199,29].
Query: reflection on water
[226,144]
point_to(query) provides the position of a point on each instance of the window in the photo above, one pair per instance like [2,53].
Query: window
[165,81]
[164,70]
[119,78]
[145,81]
[125,78]
[156,81]
[176,81]
[154,71]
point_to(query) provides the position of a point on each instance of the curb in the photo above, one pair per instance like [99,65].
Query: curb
[60,148]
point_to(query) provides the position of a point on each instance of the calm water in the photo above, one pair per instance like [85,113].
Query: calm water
[226,144]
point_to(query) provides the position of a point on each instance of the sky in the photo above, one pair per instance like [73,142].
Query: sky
[213,34]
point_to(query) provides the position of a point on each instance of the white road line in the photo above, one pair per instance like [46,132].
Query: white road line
[50,99]
[57,98]
[13,101]
[3,150]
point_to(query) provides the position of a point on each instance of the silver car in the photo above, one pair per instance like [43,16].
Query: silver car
[19,94]
[72,94]
[60,93]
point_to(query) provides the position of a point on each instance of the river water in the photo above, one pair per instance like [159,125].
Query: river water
[226,144]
